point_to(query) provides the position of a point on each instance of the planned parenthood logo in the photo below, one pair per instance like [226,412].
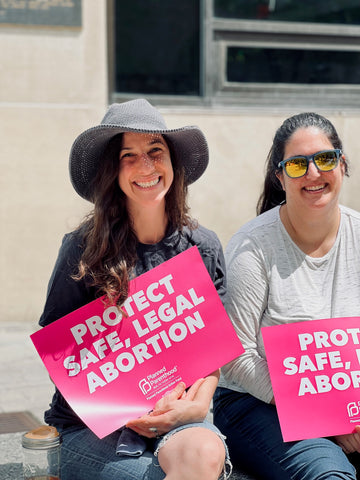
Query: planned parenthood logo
[144,386]
[353,410]
[159,380]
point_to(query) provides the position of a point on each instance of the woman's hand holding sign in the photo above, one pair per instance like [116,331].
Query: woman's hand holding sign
[350,442]
[178,407]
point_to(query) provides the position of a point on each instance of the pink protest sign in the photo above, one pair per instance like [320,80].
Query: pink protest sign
[315,373]
[112,368]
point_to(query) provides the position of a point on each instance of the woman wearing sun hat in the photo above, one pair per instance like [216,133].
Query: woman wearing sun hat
[298,260]
[136,171]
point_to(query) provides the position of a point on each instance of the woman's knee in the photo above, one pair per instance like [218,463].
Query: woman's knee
[318,459]
[196,449]
[211,449]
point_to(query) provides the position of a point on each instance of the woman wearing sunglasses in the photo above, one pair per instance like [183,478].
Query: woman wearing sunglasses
[297,261]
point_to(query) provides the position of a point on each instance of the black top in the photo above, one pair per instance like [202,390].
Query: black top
[65,295]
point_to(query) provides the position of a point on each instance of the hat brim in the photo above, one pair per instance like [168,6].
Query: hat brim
[188,144]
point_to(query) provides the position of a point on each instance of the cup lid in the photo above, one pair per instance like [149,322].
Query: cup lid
[41,438]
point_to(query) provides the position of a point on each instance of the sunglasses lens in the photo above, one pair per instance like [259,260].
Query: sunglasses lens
[296,167]
[326,161]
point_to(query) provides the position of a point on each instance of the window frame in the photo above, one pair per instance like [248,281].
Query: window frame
[217,34]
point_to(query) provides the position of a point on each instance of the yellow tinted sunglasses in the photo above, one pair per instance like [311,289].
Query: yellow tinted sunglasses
[325,161]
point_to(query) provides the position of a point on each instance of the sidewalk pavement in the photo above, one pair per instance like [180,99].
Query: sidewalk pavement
[25,387]
[25,384]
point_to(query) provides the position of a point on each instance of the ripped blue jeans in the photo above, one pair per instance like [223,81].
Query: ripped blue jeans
[86,457]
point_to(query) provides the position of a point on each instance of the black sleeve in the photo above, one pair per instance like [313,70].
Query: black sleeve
[212,254]
[64,294]
[216,268]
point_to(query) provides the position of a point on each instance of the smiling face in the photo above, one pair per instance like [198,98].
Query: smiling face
[315,189]
[145,171]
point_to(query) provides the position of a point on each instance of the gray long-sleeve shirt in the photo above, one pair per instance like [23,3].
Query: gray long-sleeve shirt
[271,282]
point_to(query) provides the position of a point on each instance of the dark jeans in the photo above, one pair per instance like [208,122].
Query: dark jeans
[255,443]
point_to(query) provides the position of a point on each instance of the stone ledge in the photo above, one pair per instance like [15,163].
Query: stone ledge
[11,456]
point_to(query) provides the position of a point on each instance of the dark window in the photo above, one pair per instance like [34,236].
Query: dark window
[282,65]
[213,52]
[157,47]
[314,11]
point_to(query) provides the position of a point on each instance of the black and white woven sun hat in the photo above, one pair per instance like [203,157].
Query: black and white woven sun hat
[188,143]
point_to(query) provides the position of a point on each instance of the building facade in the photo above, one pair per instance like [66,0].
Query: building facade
[236,69]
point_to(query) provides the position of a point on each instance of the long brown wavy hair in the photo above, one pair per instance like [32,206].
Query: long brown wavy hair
[109,240]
